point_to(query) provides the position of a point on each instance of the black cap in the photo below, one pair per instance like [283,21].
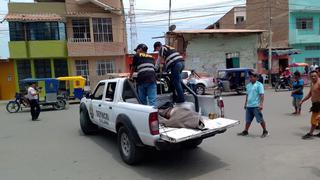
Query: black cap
[156,44]
[142,46]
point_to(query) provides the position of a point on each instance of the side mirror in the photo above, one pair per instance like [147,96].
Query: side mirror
[88,95]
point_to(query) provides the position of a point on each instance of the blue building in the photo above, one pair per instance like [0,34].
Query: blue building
[304,30]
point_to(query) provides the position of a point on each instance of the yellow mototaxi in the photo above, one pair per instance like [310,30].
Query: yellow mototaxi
[73,86]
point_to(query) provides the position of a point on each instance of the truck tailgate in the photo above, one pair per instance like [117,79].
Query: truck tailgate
[212,127]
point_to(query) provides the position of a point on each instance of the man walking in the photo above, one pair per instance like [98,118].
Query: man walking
[174,62]
[254,105]
[33,97]
[314,94]
[146,80]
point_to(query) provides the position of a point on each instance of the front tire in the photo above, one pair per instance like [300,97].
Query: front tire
[59,105]
[13,107]
[87,127]
[200,89]
[130,153]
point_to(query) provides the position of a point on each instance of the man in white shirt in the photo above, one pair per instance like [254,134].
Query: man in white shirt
[33,96]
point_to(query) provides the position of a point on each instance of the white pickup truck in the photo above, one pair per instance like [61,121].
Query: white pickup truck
[114,106]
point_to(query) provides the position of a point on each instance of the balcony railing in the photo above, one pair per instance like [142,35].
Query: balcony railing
[79,40]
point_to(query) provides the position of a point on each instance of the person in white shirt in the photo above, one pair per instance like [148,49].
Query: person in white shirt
[33,96]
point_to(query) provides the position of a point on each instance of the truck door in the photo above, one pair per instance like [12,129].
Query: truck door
[108,103]
[96,102]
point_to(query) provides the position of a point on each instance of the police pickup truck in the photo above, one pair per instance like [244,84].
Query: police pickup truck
[115,106]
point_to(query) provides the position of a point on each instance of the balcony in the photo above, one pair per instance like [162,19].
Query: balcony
[83,47]
[37,49]
[304,36]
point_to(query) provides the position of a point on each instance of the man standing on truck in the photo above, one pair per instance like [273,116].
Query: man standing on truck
[146,80]
[174,62]
[254,104]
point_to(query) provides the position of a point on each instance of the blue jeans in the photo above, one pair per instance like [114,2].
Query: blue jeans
[148,90]
[253,112]
[176,70]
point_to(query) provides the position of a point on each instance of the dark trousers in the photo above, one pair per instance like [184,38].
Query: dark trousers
[176,70]
[35,109]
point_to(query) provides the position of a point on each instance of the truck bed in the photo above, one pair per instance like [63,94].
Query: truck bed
[212,127]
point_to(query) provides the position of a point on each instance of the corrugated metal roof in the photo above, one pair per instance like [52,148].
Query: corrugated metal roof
[33,17]
[217,31]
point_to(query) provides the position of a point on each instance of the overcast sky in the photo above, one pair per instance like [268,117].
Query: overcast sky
[152,17]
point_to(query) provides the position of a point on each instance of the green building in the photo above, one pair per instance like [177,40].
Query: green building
[38,45]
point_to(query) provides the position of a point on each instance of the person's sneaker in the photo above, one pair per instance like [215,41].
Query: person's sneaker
[317,135]
[243,133]
[264,134]
[307,136]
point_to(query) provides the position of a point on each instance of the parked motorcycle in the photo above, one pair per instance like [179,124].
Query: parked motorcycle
[283,83]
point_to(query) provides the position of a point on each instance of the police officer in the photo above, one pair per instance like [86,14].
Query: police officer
[33,96]
[146,80]
[174,62]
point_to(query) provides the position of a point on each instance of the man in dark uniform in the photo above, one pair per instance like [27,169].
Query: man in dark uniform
[174,63]
[146,80]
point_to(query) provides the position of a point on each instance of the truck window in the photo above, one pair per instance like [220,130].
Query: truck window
[98,93]
[111,89]
[128,94]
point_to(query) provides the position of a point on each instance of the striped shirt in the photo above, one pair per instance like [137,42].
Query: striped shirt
[170,55]
[144,65]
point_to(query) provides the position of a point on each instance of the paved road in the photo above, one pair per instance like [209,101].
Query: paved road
[54,148]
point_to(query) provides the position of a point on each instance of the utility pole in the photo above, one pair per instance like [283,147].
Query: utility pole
[133,28]
[270,43]
[169,22]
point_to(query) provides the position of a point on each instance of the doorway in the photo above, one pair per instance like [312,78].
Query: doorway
[233,60]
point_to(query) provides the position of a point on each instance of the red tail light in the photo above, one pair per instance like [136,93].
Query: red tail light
[221,104]
[154,123]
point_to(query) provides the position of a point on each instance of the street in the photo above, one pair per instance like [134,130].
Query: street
[54,148]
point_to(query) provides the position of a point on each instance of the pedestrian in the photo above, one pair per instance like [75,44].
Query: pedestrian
[174,63]
[314,94]
[33,97]
[192,80]
[306,69]
[144,64]
[254,105]
[297,92]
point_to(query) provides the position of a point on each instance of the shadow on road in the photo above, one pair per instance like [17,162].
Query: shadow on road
[158,165]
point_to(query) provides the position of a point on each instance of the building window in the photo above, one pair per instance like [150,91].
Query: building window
[82,68]
[43,31]
[104,67]
[81,30]
[60,67]
[239,19]
[312,48]
[313,61]
[16,30]
[24,69]
[42,68]
[304,23]
[102,29]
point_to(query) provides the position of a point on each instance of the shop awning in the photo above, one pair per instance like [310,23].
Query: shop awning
[33,17]
[282,52]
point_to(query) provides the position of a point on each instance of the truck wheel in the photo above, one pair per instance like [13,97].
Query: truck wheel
[130,153]
[13,107]
[87,127]
[200,89]
[192,144]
